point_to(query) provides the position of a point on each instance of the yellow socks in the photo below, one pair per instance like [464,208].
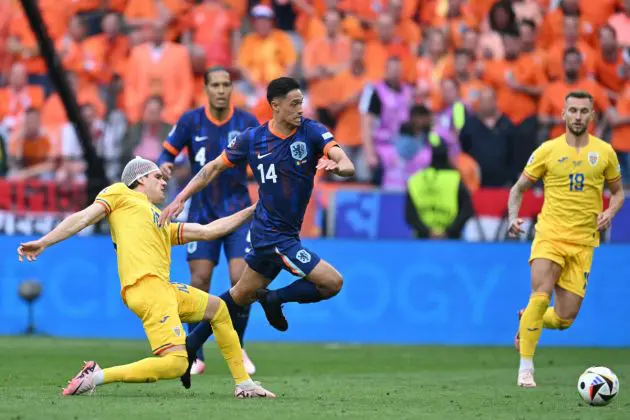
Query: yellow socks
[532,323]
[552,321]
[227,340]
[172,365]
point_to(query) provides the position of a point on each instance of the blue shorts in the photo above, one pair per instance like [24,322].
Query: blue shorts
[234,245]
[290,256]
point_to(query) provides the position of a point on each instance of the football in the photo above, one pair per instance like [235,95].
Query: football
[598,385]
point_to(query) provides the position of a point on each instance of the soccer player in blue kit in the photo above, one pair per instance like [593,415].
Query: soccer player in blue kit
[284,155]
[206,132]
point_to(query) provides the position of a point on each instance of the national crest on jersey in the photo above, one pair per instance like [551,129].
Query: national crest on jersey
[284,168]
[593,157]
[205,139]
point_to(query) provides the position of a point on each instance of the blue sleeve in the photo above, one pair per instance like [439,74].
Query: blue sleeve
[238,149]
[178,138]
[252,121]
[321,138]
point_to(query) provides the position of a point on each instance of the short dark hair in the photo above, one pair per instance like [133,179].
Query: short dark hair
[134,185]
[464,51]
[280,87]
[31,110]
[607,27]
[419,110]
[213,69]
[579,94]
[569,51]
[530,23]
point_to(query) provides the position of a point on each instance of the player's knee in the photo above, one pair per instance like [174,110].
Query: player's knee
[565,323]
[200,280]
[333,285]
[177,364]
[243,295]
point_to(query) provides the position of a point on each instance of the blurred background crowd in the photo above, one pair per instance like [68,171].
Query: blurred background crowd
[405,85]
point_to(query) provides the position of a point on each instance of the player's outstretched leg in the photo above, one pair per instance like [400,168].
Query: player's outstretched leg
[323,282]
[545,273]
[169,366]
[220,324]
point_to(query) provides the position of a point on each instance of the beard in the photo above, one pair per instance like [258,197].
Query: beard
[577,132]
[572,74]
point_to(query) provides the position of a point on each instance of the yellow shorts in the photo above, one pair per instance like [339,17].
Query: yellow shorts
[575,261]
[162,307]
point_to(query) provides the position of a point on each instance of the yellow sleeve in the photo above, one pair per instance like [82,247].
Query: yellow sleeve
[612,172]
[176,233]
[111,197]
[537,164]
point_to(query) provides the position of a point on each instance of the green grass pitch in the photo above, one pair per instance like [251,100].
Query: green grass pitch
[312,381]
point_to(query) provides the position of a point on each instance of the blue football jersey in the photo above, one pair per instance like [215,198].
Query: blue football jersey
[285,170]
[205,139]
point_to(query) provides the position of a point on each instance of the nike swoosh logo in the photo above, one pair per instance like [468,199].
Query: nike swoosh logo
[197,138]
[533,329]
[248,250]
[262,156]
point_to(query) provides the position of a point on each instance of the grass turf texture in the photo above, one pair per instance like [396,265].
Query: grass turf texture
[311,381]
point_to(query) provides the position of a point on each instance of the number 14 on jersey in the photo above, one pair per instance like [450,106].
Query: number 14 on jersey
[270,174]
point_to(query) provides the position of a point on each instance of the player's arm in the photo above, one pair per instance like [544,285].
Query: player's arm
[205,176]
[338,162]
[617,196]
[177,139]
[221,227]
[514,204]
[70,226]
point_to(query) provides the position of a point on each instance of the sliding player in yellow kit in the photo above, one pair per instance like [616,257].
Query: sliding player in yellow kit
[144,258]
[573,168]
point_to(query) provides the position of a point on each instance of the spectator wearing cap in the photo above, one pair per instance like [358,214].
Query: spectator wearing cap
[438,205]
[490,138]
[266,53]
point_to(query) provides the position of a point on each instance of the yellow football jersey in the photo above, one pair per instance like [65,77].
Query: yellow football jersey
[573,183]
[142,247]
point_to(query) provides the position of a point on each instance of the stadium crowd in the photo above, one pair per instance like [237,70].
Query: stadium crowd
[490,76]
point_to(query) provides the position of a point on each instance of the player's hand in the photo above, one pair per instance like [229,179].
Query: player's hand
[167,170]
[328,165]
[603,220]
[30,250]
[171,211]
[515,230]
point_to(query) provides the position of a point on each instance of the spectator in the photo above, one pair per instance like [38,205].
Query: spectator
[489,137]
[73,165]
[610,68]
[621,131]
[324,58]
[349,84]
[216,29]
[438,203]
[158,68]
[501,20]
[527,10]
[404,26]
[166,13]
[411,150]
[570,39]
[621,23]
[431,66]
[31,152]
[552,100]
[384,108]
[469,86]
[451,116]
[518,83]
[145,138]
[266,53]
[552,28]
[17,97]
[458,18]
[386,45]
[111,47]
[536,56]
